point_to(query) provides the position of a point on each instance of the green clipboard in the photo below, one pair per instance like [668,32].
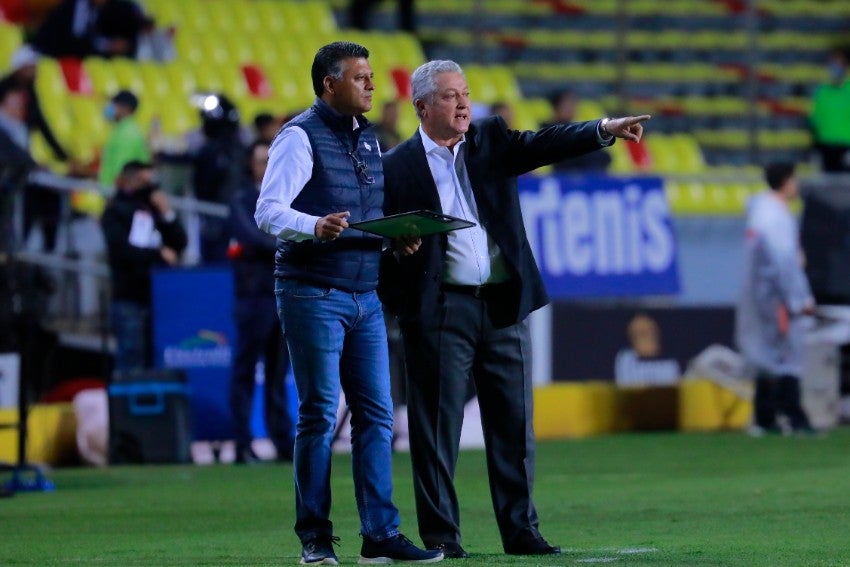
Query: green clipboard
[412,224]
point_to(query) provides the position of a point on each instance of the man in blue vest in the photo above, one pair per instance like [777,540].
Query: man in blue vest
[324,171]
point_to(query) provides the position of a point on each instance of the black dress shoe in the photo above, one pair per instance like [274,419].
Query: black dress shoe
[528,544]
[451,550]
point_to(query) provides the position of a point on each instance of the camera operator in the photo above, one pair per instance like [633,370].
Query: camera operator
[141,231]
[218,171]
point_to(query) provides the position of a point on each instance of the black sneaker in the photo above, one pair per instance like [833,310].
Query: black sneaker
[319,551]
[397,549]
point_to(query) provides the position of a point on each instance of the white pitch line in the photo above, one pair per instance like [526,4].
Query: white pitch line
[633,550]
[608,559]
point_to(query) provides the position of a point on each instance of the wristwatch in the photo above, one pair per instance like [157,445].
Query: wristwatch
[603,132]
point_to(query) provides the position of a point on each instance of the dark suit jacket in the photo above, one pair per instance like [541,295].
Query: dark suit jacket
[494,157]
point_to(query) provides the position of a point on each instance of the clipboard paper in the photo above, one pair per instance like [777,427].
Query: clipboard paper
[412,224]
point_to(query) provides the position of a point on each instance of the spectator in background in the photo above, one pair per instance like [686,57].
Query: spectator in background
[258,331]
[126,141]
[564,107]
[324,168]
[464,298]
[830,118]
[22,114]
[504,110]
[387,129]
[85,28]
[775,297]
[15,159]
[155,43]
[266,127]
[141,232]
[218,171]
[23,72]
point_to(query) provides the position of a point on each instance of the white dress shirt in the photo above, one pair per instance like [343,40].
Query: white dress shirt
[472,256]
[290,168]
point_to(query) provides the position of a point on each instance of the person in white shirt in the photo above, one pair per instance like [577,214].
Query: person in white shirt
[775,298]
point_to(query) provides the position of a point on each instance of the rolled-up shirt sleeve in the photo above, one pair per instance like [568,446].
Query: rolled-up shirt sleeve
[290,168]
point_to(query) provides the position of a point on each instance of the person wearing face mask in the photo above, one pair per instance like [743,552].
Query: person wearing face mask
[830,117]
[141,232]
[126,141]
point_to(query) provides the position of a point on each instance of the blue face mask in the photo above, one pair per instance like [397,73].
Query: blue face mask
[836,71]
[109,112]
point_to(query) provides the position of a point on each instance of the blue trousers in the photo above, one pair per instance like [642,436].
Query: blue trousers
[336,340]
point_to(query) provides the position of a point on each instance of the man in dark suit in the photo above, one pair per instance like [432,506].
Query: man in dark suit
[464,297]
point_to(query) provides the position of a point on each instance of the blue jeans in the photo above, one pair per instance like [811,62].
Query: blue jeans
[131,329]
[338,339]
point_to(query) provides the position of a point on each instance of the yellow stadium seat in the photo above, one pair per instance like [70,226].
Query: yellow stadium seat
[156,84]
[103,79]
[621,161]
[188,46]
[269,15]
[178,117]
[180,78]
[10,39]
[128,75]
[88,119]
[539,108]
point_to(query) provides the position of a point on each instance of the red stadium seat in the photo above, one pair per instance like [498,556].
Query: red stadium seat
[77,79]
[401,78]
[13,11]
[640,155]
[258,83]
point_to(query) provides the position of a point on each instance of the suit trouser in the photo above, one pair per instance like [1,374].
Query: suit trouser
[779,394]
[258,334]
[464,343]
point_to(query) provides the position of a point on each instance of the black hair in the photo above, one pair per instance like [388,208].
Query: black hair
[776,174]
[556,97]
[7,87]
[135,166]
[249,155]
[328,61]
[263,119]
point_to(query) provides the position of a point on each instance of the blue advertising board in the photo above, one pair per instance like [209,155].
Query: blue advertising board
[599,236]
[193,330]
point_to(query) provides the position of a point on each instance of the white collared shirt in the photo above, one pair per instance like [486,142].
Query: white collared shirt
[472,256]
[290,168]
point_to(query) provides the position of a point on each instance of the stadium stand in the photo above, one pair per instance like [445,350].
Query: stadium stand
[682,61]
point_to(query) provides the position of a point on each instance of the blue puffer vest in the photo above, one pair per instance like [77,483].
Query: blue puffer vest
[351,261]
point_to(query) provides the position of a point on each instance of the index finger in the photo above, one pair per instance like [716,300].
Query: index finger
[637,119]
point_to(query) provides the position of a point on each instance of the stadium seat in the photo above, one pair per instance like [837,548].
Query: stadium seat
[401,80]
[10,39]
[102,77]
[77,80]
[128,75]
[256,80]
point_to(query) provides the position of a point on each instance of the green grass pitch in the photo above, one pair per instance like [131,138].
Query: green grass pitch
[638,499]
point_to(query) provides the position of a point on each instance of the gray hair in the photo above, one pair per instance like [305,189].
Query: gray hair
[423,83]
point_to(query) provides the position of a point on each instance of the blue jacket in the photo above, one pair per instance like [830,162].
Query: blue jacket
[347,176]
[253,259]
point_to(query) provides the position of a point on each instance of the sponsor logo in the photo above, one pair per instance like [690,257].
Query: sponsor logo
[207,349]
[605,232]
